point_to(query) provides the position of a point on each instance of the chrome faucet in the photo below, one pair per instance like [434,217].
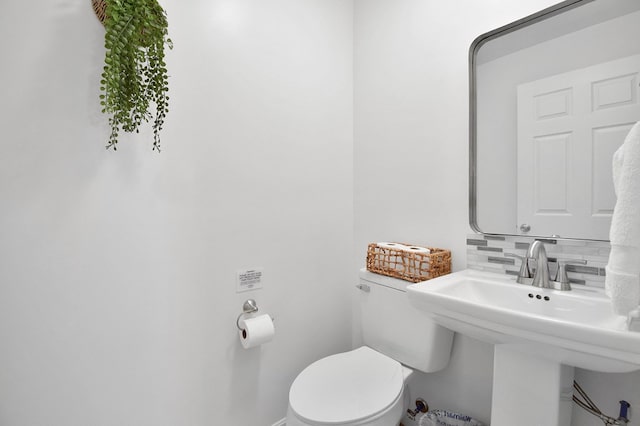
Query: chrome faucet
[524,275]
[541,277]
[539,253]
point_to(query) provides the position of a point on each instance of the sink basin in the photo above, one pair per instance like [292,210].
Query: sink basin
[573,328]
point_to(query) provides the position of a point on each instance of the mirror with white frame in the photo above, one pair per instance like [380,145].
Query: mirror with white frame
[552,97]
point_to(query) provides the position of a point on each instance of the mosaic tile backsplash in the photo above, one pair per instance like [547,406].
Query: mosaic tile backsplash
[486,253]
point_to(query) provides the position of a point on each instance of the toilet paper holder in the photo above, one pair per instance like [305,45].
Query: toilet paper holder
[248,307]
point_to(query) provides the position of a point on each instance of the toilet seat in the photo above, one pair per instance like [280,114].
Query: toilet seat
[347,388]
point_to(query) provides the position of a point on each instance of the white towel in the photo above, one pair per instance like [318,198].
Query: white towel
[625,223]
[633,320]
[622,282]
[624,291]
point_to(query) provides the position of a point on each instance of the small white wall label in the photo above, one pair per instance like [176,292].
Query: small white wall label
[249,279]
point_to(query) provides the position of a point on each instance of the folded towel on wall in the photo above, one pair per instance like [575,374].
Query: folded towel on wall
[623,289]
[622,282]
[633,320]
[625,223]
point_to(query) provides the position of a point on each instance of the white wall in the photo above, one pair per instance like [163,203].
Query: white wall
[411,117]
[117,269]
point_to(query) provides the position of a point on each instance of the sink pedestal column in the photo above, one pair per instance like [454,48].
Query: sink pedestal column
[529,390]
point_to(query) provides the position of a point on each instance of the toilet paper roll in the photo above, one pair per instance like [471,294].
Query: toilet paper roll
[417,249]
[256,331]
[417,264]
[395,246]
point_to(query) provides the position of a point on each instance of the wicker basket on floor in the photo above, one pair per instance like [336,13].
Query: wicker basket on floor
[401,262]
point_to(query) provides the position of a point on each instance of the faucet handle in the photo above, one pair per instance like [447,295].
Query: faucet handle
[525,272]
[561,275]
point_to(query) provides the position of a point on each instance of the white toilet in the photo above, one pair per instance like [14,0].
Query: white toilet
[365,386]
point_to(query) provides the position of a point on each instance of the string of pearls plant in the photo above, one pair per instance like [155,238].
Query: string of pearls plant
[135,82]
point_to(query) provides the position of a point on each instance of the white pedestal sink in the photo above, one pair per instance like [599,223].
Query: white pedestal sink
[539,336]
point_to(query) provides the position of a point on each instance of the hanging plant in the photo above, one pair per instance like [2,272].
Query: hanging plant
[135,83]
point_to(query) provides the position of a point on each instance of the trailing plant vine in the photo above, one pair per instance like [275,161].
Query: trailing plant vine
[134,82]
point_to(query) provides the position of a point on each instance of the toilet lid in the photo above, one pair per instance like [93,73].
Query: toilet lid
[346,387]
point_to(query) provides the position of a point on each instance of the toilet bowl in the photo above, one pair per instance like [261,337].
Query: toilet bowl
[361,387]
[366,386]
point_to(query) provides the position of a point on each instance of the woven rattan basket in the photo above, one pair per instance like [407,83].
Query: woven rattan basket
[99,7]
[399,260]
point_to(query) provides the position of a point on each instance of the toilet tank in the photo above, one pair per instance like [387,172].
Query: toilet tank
[393,327]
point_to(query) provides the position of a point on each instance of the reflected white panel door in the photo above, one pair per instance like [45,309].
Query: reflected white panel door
[569,126]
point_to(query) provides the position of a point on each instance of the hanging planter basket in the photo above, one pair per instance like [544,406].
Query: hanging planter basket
[134,81]
[99,7]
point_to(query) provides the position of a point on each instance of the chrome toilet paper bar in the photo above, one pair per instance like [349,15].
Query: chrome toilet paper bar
[248,307]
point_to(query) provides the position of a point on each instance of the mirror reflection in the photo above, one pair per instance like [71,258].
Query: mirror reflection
[555,96]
